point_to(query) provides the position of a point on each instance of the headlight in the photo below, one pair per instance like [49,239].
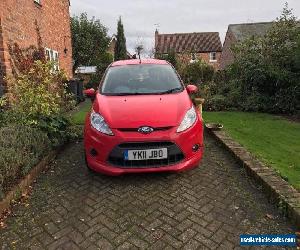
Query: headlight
[188,120]
[98,123]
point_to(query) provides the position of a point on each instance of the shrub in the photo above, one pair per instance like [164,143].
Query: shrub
[265,75]
[171,57]
[2,105]
[75,132]
[22,60]
[56,127]
[93,82]
[38,98]
[197,72]
[219,96]
[21,147]
[39,92]
[267,68]
[255,102]
[216,103]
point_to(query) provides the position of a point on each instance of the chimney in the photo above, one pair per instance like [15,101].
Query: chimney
[156,39]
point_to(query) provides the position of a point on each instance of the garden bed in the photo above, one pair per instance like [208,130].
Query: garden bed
[23,184]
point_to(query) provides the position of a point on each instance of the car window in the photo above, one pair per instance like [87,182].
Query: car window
[141,79]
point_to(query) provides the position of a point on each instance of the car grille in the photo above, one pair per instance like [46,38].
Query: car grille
[116,157]
[136,129]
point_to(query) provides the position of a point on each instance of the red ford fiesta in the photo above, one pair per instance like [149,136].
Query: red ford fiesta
[142,120]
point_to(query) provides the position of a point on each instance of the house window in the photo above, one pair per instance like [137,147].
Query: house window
[193,58]
[213,56]
[53,56]
[38,2]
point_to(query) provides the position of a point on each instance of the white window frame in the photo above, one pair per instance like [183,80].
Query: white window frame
[53,56]
[194,58]
[213,56]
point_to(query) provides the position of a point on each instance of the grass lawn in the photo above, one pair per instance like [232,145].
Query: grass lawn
[274,140]
[78,116]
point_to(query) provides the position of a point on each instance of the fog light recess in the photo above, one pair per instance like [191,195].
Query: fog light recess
[93,152]
[196,147]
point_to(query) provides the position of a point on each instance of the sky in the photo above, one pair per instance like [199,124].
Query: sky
[142,17]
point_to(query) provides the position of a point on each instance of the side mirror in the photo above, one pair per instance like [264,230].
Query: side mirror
[192,89]
[90,93]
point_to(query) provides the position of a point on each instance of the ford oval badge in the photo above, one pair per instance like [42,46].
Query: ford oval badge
[145,130]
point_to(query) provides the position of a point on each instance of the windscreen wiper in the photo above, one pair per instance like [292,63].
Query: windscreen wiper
[124,94]
[171,90]
[140,93]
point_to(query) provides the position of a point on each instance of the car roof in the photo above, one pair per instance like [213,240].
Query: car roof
[137,61]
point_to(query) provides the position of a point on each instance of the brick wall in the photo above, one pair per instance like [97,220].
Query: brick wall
[20,19]
[205,56]
[2,68]
[227,56]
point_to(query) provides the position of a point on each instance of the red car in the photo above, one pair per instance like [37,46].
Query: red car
[142,120]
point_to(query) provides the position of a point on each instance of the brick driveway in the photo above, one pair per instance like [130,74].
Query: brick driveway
[208,207]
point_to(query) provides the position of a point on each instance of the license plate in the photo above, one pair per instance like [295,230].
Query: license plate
[146,154]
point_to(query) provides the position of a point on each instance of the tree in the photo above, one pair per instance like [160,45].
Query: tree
[90,41]
[297,54]
[267,68]
[96,77]
[170,57]
[265,75]
[120,48]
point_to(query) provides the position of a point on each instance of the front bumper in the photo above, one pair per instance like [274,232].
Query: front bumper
[114,171]
[104,146]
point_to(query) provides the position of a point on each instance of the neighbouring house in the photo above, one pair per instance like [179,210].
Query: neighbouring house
[204,45]
[238,33]
[112,45]
[85,73]
[33,22]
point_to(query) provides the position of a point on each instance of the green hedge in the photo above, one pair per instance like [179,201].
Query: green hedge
[21,147]
[265,74]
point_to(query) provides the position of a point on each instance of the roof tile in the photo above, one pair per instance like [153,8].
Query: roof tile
[182,42]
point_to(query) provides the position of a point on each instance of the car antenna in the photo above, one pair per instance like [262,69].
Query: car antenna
[139,49]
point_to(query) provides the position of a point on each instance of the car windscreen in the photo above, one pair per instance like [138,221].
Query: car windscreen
[141,79]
